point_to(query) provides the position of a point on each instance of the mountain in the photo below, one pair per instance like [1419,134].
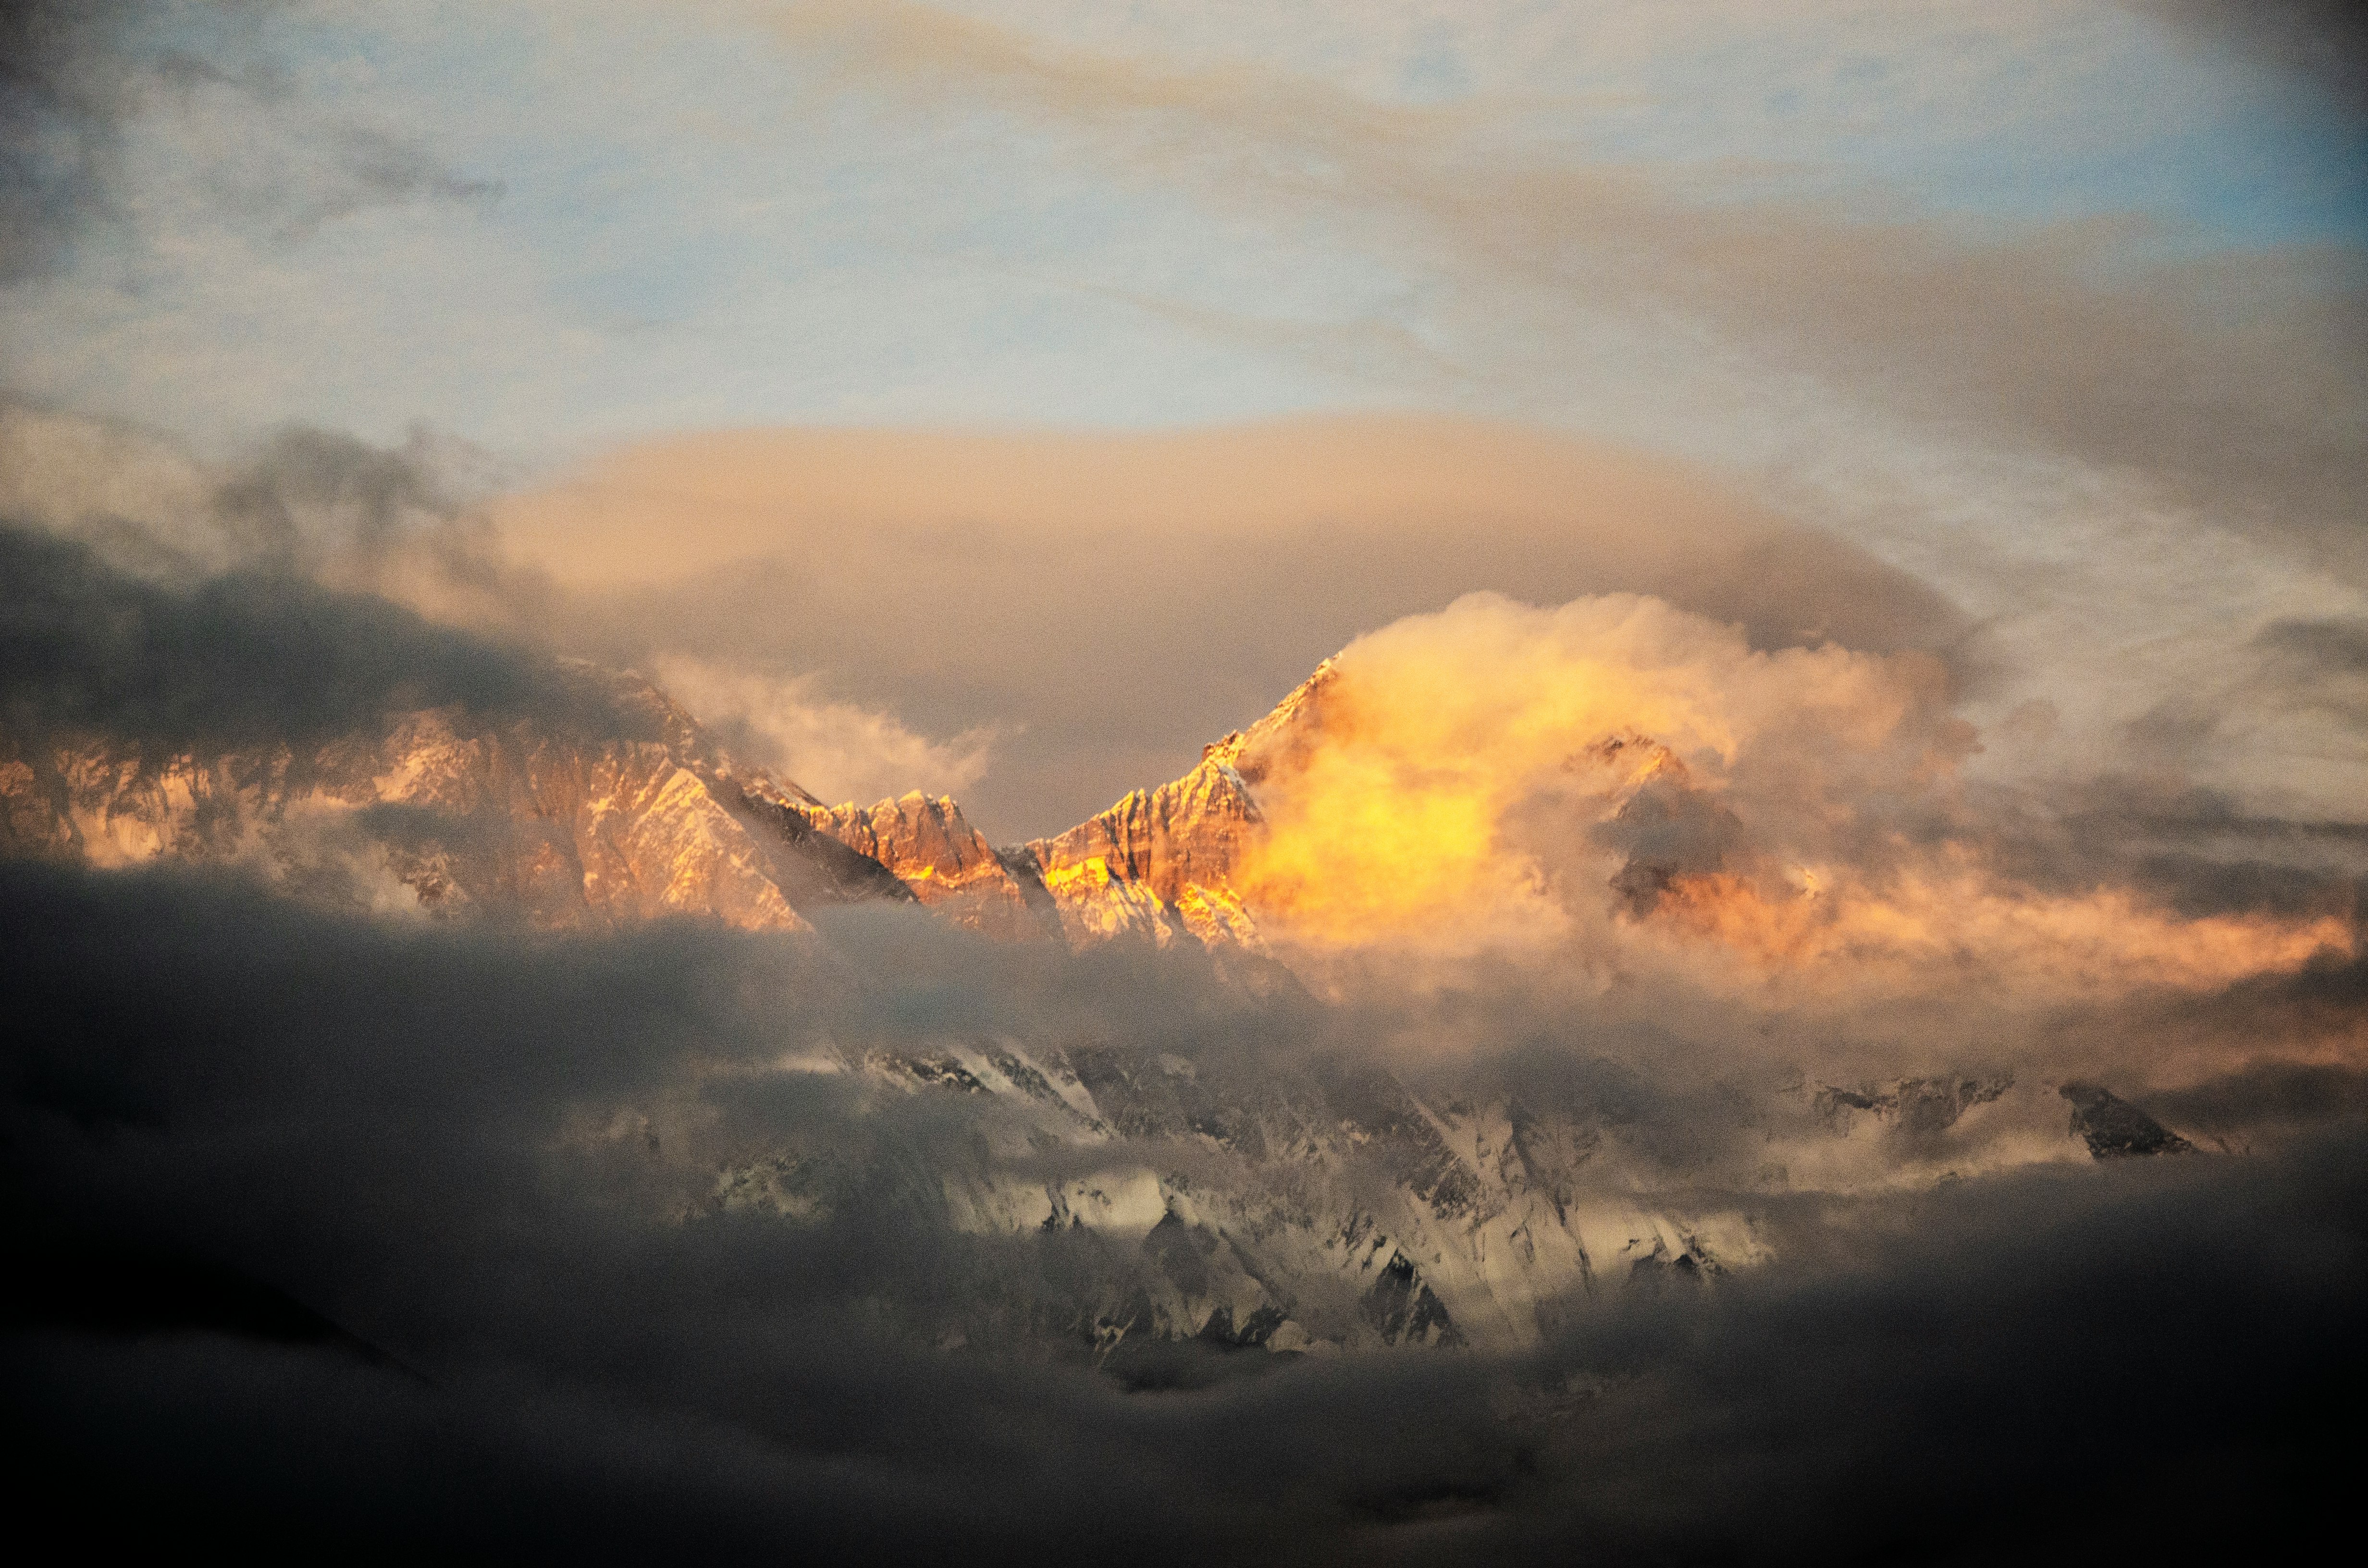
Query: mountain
[1158,865]
[934,853]
[1252,1204]
[634,813]
[630,813]
[1201,1208]
[639,813]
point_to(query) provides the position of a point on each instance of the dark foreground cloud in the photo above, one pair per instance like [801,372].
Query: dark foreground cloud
[60,96]
[350,1234]
[245,658]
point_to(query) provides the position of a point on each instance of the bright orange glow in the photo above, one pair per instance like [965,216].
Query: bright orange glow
[1440,727]
[1474,784]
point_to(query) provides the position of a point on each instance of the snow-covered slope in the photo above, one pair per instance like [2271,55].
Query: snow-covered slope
[1159,866]
[1308,1208]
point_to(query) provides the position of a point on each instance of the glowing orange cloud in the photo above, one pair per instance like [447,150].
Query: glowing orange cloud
[1622,784]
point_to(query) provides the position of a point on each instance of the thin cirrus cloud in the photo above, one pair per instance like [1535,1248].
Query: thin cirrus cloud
[816,239]
[2235,375]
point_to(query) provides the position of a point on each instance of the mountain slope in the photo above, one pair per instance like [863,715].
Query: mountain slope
[943,862]
[1158,865]
[564,823]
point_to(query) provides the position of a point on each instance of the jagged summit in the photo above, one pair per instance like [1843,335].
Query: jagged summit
[1159,865]
[626,807]
[927,844]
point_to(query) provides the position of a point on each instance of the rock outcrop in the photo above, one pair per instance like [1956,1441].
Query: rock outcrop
[2115,1130]
[943,862]
[1161,863]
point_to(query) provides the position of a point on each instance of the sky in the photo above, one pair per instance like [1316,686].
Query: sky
[2055,309]
[1886,477]
[540,227]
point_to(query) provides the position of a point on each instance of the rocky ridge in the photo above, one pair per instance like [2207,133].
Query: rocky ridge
[566,822]
[562,823]
[1158,865]
[1267,1206]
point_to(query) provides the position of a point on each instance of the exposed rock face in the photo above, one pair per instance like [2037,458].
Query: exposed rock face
[1158,865]
[1915,1106]
[2115,1130]
[944,861]
[568,827]
[1161,863]
[1667,828]
[1167,863]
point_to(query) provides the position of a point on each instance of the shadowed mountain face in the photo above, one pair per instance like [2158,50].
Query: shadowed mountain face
[2115,1130]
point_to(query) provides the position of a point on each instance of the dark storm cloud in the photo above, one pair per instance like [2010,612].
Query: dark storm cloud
[2276,1095]
[323,502]
[258,502]
[406,519]
[405,1301]
[2019,1372]
[242,659]
[2337,646]
[2317,664]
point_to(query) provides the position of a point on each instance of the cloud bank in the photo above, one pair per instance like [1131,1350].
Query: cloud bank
[1111,602]
[429,1234]
[388,1227]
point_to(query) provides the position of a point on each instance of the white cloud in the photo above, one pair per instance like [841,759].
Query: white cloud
[835,750]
